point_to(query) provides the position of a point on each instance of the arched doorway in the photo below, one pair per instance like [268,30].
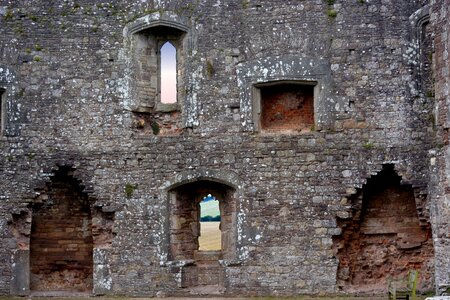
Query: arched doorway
[185,231]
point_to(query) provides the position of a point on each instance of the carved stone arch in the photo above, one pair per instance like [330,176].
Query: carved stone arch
[417,19]
[156,19]
[228,179]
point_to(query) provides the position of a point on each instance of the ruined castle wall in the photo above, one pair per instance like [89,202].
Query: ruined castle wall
[70,105]
[440,158]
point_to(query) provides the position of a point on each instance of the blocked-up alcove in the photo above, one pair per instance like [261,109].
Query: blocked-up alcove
[61,242]
[287,107]
[384,237]
[423,36]
[2,111]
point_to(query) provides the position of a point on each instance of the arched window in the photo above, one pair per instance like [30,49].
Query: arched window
[157,67]
[188,204]
[193,237]
[168,73]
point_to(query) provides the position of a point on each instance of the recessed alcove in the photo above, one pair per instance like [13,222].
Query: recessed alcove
[286,107]
[384,237]
[61,242]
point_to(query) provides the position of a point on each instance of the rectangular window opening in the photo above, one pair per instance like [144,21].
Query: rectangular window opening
[210,238]
[285,107]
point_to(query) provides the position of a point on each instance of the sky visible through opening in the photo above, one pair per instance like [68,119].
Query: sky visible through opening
[168,73]
[210,234]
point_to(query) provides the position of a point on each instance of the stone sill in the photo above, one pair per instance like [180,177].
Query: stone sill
[160,107]
[191,262]
[167,107]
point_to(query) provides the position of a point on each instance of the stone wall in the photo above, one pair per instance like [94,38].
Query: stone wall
[68,73]
[440,158]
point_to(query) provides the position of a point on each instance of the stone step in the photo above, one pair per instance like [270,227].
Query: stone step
[209,278]
[207,290]
[208,263]
[207,255]
[202,269]
[202,275]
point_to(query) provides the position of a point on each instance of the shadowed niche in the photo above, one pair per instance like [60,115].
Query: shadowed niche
[384,237]
[61,242]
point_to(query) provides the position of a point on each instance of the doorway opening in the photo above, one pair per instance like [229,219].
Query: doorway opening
[202,226]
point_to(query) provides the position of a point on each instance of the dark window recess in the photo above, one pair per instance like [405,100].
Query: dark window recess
[287,107]
[158,66]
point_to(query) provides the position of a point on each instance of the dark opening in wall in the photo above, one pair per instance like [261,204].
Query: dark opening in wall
[61,243]
[384,237]
[286,107]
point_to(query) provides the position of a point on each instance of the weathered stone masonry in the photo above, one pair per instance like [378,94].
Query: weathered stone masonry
[322,126]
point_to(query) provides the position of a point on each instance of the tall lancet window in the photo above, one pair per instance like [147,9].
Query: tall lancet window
[168,73]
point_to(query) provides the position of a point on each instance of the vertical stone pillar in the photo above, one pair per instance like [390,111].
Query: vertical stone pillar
[102,272]
[20,281]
